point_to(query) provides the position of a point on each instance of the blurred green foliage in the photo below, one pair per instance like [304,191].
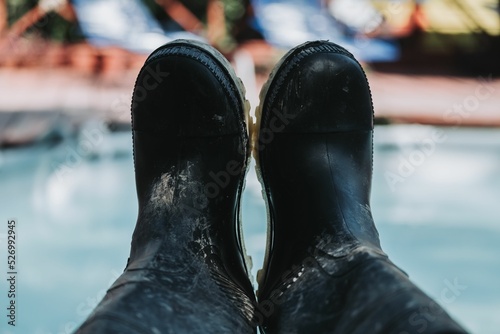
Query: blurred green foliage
[54,27]
[51,26]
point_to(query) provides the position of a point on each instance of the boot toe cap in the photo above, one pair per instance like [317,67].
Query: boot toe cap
[318,91]
[184,91]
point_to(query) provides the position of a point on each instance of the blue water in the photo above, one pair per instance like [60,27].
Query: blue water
[435,199]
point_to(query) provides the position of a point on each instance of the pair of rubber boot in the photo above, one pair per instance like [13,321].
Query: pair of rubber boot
[325,271]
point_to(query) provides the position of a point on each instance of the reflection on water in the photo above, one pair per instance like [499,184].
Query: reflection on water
[434,198]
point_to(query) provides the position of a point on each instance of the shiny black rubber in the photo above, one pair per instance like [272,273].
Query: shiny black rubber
[186,272]
[326,272]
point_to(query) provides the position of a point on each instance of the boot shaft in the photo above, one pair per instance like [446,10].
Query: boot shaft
[315,155]
[190,158]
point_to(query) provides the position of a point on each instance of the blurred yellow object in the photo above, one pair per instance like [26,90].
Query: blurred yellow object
[397,14]
[451,17]
[462,16]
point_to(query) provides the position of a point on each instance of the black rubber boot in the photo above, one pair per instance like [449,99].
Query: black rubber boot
[186,272]
[325,271]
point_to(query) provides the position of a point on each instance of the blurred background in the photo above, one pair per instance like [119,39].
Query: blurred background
[67,70]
